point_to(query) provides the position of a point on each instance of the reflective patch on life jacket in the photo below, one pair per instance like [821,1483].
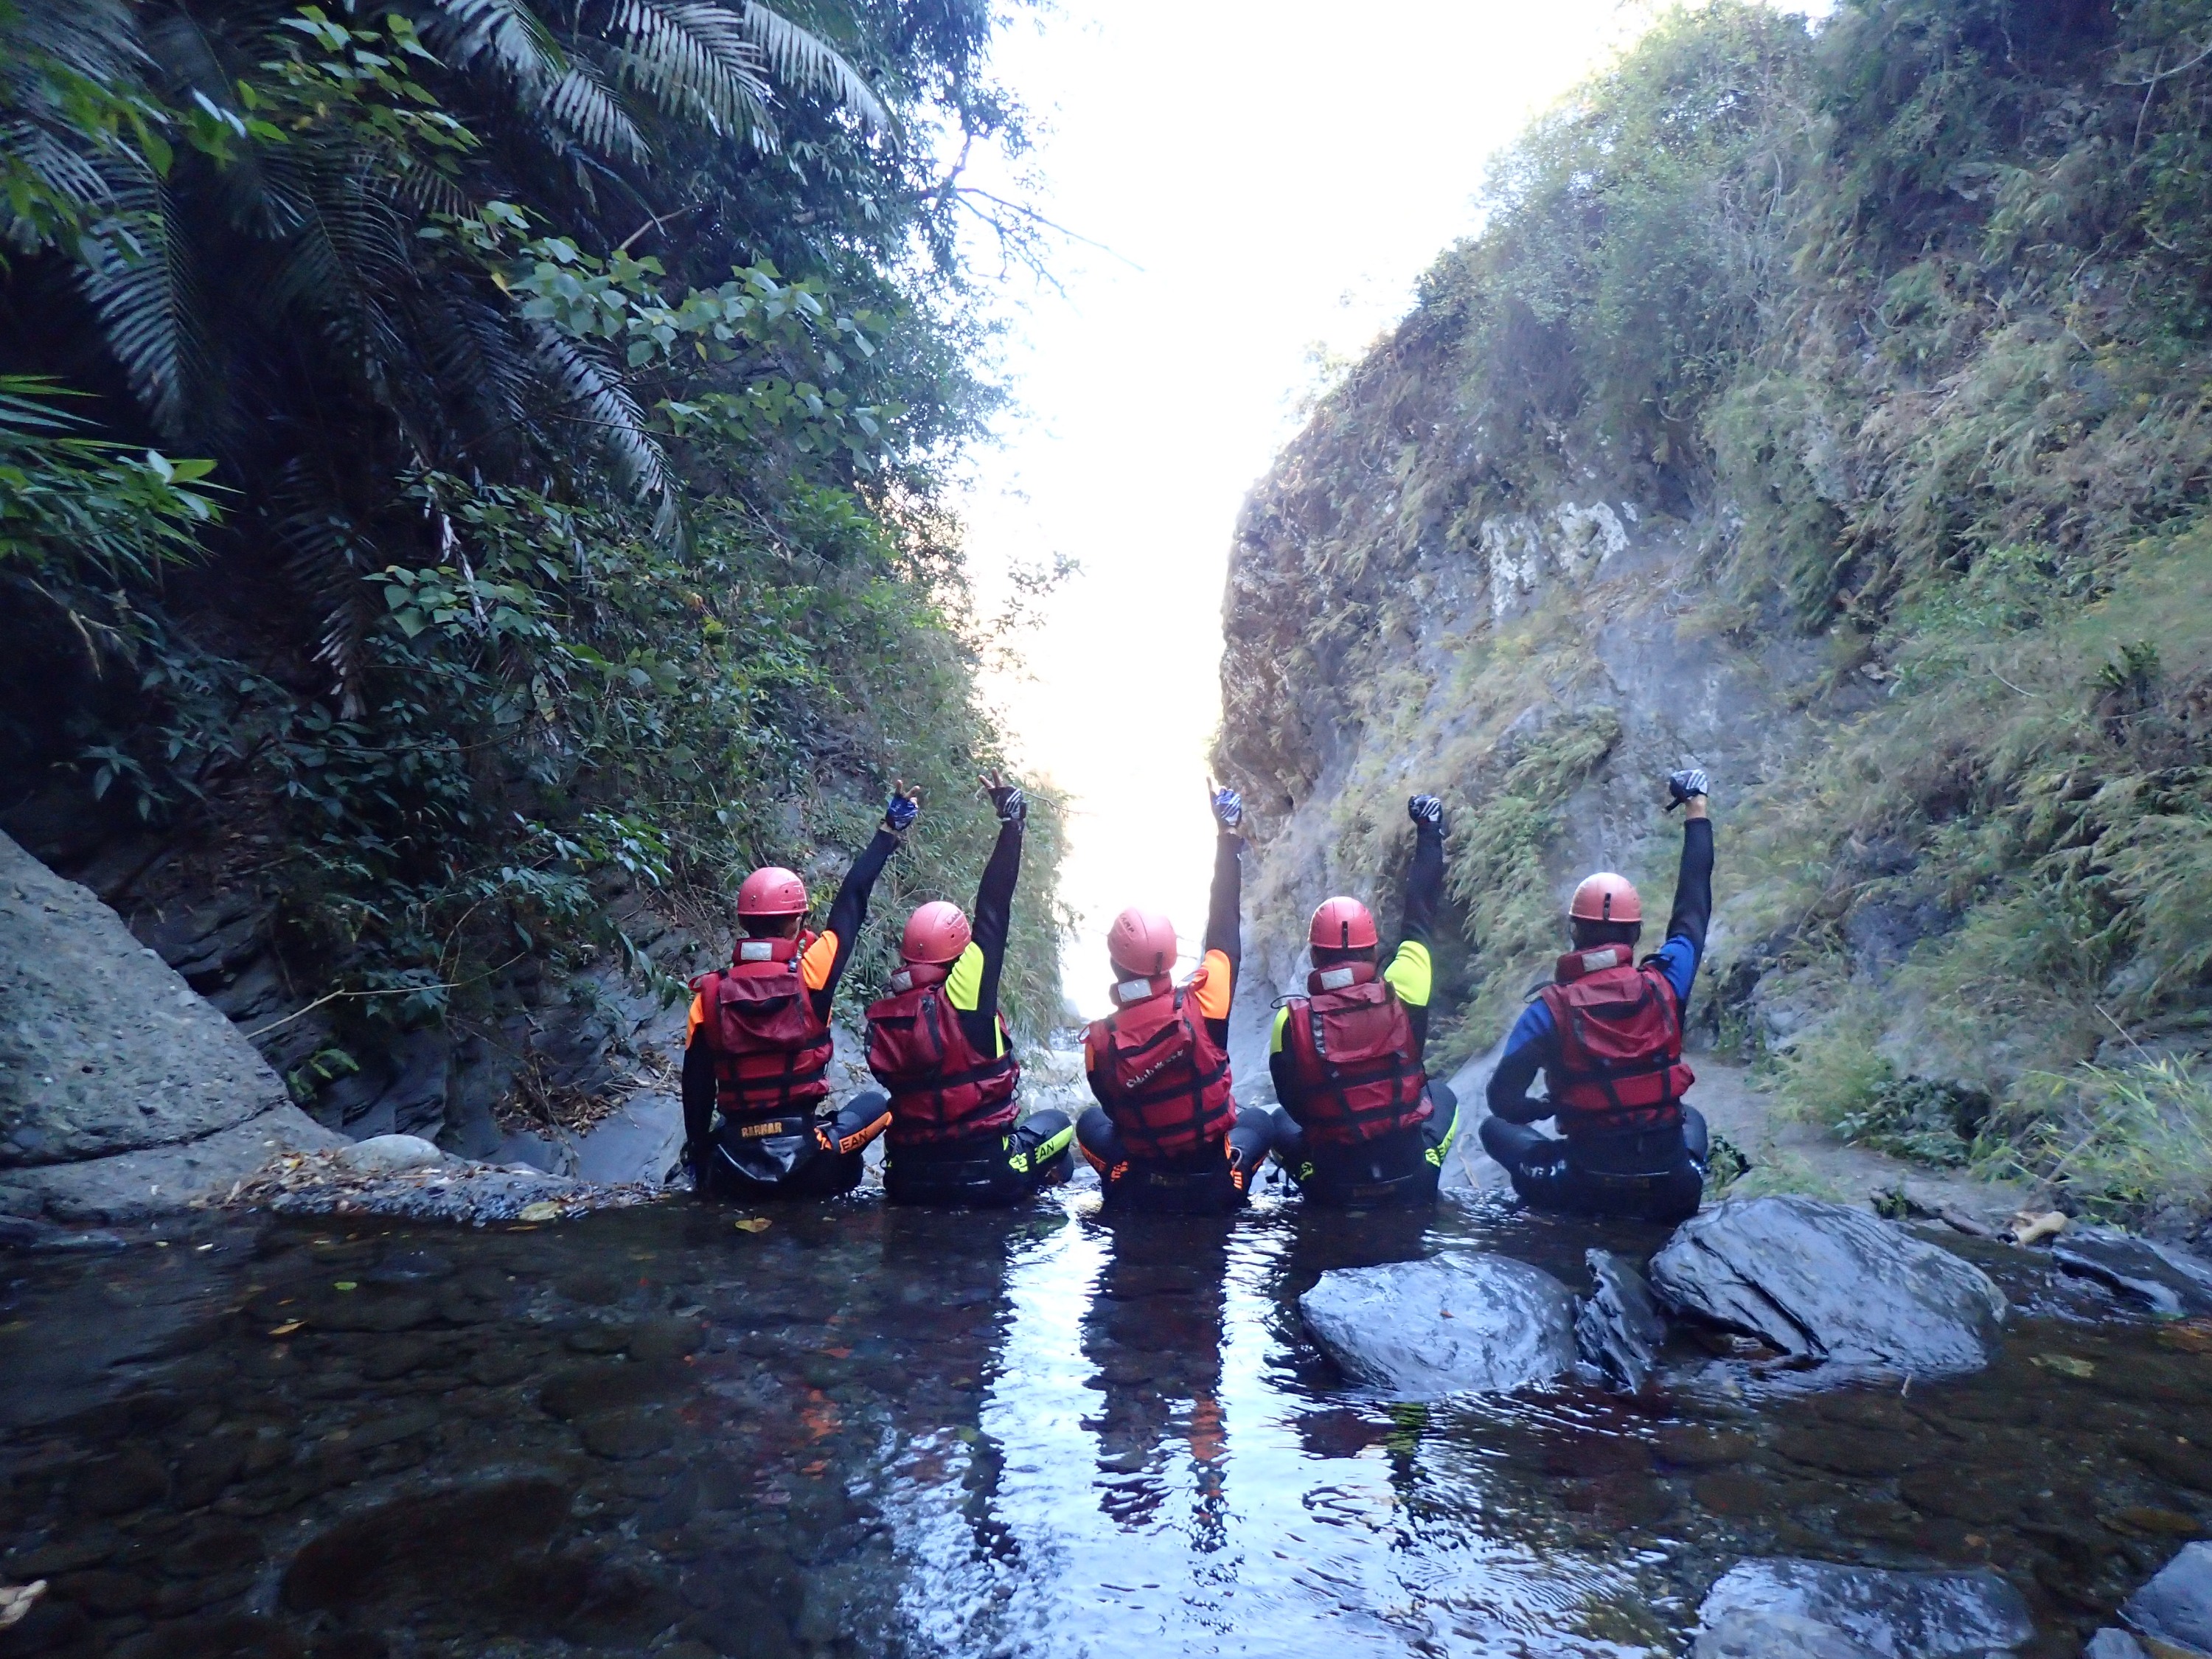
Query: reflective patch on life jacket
[1333,979]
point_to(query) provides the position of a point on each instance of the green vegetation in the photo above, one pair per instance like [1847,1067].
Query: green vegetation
[1905,323]
[575,387]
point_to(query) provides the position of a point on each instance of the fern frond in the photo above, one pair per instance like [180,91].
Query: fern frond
[802,59]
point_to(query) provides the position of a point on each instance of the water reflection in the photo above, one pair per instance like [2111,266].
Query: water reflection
[875,1432]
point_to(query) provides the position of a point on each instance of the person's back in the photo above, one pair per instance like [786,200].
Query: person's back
[1166,1133]
[1361,1124]
[938,1044]
[757,1120]
[1607,1033]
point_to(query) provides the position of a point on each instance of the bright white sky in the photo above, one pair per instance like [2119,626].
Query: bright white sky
[1276,175]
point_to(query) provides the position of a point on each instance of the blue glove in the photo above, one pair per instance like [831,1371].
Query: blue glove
[1427,811]
[1228,809]
[1682,785]
[901,809]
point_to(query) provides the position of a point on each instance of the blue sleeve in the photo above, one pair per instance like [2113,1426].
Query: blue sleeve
[1531,1044]
[1678,959]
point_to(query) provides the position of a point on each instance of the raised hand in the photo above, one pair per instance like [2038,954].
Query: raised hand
[1683,786]
[1427,811]
[1007,799]
[901,809]
[1226,806]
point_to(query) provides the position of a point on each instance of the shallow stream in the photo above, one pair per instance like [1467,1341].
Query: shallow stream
[862,1430]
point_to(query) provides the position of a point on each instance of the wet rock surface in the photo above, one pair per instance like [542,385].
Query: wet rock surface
[122,1092]
[1452,1324]
[1827,1284]
[1620,1328]
[399,1177]
[2175,1607]
[2163,1277]
[1789,1609]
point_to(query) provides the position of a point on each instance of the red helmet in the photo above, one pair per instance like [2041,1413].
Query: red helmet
[938,932]
[772,890]
[1605,897]
[1342,924]
[1141,942]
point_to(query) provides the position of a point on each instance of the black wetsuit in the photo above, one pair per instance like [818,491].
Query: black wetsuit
[816,1157]
[1212,1179]
[1403,1167]
[1657,1175]
[1001,1167]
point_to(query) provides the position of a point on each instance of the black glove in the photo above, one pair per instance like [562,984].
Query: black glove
[1012,805]
[1228,809]
[1427,812]
[901,809]
[1682,785]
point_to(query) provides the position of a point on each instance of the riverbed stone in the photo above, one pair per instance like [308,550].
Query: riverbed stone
[2111,1643]
[1828,1283]
[1468,1321]
[1620,1330]
[2168,1280]
[387,1155]
[123,1093]
[1784,1608]
[2175,1607]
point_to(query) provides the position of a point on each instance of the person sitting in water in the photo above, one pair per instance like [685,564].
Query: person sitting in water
[1361,1123]
[757,1051]
[1608,1034]
[938,1044]
[1166,1135]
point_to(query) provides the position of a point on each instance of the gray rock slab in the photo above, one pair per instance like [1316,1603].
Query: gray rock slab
[641,1141]
[1464,1323]
[1830,1283]
[2176,1607]
[104,1048]
[1620,1330]
[159,1180]
[2110,1644]
[2163,1277]
[1784,1609]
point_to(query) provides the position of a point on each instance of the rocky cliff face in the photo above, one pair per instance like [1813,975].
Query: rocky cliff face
[1826,410]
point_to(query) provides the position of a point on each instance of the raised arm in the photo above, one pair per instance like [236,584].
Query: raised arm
[827,959]
[1411,972]
[1685,944]
[974,983]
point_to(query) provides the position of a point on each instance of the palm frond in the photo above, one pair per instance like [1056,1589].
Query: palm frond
[604,404]
[802,59]
[136,275]
[326,555]
[580,106]
[694,58]
[508,39]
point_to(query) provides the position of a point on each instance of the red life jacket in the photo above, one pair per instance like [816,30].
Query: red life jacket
[1620,1045]
[1351,1060]
[1162,1078]
[771,1048]
[941,1088]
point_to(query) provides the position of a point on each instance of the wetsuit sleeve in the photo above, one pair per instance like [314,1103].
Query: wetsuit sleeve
[1678,958]
[1531,1045]
[975,990]
[847,912]
[698,1087]
[1225,935]
[1411,971]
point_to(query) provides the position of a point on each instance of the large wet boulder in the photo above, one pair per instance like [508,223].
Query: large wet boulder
[122,1092]
[2175,1609]
[2169,1281]
[1620,1330]
[1828,1283]
[1467,1322]
[1792,1609]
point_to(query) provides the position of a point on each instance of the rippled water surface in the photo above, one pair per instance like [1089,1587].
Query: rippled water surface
[863,1431]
